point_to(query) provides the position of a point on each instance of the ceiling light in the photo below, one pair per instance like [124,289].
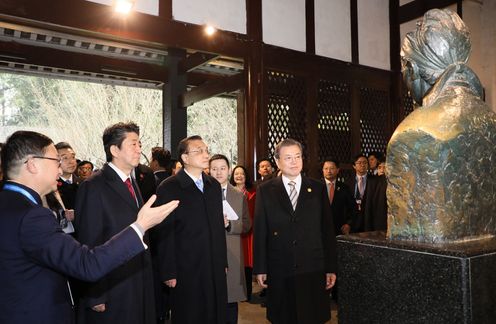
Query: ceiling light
[210,30]
[123,6]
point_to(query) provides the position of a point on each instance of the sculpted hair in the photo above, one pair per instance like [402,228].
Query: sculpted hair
[162,156]
[219,157]
[115,135]
[248,182]
[182,147]
[286,142]
[18,147]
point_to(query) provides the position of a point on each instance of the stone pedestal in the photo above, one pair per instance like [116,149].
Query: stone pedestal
[382,281]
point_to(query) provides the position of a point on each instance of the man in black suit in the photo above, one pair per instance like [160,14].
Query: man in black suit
[106,203]
[192,244]
[362,186]
[160,162]
[265,171]
[294,243]
[376,207]
[36,256]
[340,197]
[68,183]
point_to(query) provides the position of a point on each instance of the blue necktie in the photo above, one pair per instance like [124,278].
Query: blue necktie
[199,184]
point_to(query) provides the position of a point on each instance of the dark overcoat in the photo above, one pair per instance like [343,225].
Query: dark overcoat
[104,207]
[295,249]
[191,248]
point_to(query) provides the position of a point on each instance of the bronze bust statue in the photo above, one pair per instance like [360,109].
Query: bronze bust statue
[441,159]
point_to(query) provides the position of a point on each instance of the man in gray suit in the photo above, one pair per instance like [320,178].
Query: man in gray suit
[236,225]
[294,243]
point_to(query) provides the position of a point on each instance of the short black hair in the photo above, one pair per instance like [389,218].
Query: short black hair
[182,147]
[262,160]
[248,182]
[219,157]
[378,155]
[63,145]
[81,163]
[333,160]
[115,135]
[161,155]
[19,146]
[359,155]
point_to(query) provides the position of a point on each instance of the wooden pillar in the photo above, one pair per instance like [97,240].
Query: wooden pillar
[173,115]
[255,118]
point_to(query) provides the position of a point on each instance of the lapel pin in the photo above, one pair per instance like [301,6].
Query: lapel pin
[309,189]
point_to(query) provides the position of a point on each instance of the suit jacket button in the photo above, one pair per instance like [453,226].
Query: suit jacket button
[294,242]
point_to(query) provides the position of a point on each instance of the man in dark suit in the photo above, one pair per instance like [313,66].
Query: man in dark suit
[192,244]
[376,207]
[35,255]
[340,197]
[106,203]
[294,243]
[362,186]
[145,179]
[68,183]
[265,171]
[160,163]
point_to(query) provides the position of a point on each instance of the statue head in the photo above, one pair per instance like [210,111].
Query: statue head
[440,40]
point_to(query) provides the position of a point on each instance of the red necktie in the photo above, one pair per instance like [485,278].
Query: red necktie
[331,191]
[130,188]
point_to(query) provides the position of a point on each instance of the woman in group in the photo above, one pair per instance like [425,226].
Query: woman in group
[240,178]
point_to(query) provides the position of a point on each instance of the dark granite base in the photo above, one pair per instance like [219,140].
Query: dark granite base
[382,281]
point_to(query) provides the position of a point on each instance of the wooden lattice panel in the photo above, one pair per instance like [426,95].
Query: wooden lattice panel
[373,120]
[286,109]
[407,104]
[334,120]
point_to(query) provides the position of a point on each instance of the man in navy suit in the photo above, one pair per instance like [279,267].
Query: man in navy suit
[294,243]
[36,257]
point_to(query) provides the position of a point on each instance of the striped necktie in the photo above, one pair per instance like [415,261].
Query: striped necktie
[293,195]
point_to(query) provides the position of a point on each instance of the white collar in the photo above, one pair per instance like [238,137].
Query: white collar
[119,172]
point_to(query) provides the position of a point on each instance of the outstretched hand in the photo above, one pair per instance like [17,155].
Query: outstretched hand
[150,216]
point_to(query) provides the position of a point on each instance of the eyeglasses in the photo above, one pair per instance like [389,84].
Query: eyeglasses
[290,158]
[198,151]
[44,158]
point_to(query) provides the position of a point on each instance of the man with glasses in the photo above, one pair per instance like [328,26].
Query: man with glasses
[294,244]
[362,186]
[68,181]
[36,257]
[192,243]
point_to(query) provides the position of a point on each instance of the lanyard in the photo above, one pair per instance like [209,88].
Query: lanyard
[20,190]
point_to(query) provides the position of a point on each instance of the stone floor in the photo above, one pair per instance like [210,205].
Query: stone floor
[253,313]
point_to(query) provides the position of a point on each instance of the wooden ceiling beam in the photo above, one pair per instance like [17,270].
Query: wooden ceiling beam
[49,57]
[86,18]
[195,60]
[418,8]
[213,88]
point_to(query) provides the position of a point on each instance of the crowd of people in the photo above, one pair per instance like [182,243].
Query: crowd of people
[77,259]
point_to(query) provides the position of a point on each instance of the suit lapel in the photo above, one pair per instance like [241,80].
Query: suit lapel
[115,183]
[305,190]
[282,195]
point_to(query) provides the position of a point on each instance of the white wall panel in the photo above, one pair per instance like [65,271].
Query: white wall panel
[333,29]
[373,33]
[283,23]
[223,14]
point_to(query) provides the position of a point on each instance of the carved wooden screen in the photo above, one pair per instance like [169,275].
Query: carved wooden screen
[334,120]
[407,102]
[374,106]
[286,112]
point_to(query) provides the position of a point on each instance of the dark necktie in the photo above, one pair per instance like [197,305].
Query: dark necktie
[331,191]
